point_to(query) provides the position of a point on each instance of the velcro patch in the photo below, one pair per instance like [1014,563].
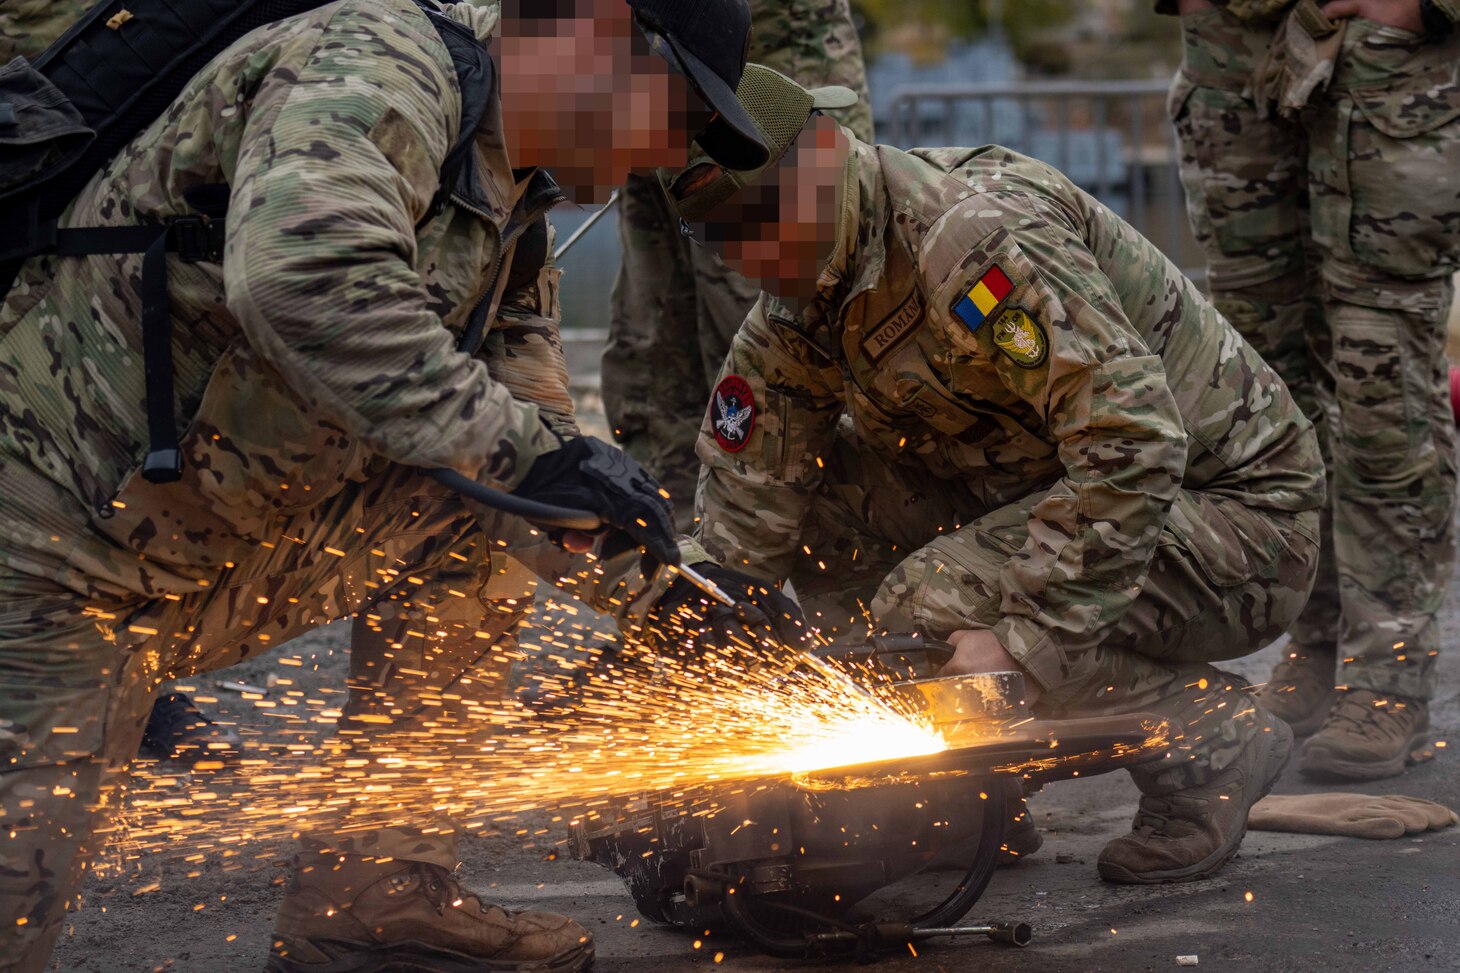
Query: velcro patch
[732,413]
[896,326]
[983,297]
[1021,338]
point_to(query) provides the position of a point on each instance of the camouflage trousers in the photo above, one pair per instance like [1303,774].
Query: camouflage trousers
[890,542]
[1331,237]
[675,308]
[77,677]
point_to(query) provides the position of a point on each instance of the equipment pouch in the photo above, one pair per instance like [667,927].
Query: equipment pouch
[1299,61]
[40,130]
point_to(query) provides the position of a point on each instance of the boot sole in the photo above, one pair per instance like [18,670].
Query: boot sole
[1320,763]
[414,957]
[1279,750]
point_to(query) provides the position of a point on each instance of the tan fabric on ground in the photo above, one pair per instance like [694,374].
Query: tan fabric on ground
[1350,815]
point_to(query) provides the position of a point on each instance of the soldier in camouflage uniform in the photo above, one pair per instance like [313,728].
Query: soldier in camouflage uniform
[1002,416]
[1321,161]
[318,364]
[176,729]
[675,306]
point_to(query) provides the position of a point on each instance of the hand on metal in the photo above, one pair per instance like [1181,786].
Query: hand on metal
[978,651]
[589,474]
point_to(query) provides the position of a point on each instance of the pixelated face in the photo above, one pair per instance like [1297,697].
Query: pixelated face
[585,96]
[781,229]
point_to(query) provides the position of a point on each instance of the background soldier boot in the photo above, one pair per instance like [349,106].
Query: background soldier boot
[1367,736]
[344,914]
[1021,837]
[1191,833]
[178,730]
[1300,690]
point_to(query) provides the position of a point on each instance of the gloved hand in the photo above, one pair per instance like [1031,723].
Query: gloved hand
[1353,815]
[762,617]
[589,474]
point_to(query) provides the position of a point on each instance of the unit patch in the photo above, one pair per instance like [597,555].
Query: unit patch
[732,413]
[1021,338]
[896,326]
[983,298]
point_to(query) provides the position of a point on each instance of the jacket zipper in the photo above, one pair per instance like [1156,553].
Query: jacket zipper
[515,228]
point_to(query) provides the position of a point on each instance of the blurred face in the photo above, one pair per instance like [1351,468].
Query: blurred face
[781,230]
[585,96]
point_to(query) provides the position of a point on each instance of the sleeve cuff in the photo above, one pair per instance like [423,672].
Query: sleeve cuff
[535,439]
[1034,648]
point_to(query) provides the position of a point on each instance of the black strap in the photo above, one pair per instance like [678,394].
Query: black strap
[193,241]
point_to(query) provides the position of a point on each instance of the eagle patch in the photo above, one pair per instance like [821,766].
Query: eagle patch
[732,413]
[1021,338]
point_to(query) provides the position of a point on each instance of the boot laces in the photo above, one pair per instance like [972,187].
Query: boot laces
[1360,710]
[443,891]
[1154,818]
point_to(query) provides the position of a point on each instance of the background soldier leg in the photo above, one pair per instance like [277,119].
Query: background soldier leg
[675,306]
[651,371]
[1383,164]
[1246,183]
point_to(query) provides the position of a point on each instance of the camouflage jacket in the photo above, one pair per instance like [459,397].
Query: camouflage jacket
[321,348]
[815,42]
[995,325]
[28,27]
[1270,9]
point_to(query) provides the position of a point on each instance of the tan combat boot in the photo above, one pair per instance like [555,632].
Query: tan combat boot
[1021,837]
[1300,690]
[1191,833]
[1367,736]
[362,916]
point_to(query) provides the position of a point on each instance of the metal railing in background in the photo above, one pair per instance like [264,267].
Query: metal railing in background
[1112,138]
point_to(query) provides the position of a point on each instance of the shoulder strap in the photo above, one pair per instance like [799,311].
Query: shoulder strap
[190,237]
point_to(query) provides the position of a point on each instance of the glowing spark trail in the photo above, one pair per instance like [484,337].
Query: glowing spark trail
[651,723]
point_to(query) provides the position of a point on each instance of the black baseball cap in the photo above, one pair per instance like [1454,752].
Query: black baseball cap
[708,41]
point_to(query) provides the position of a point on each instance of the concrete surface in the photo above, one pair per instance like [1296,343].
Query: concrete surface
[1319,904]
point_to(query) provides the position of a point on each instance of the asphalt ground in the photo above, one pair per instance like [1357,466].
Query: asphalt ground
[1317,903]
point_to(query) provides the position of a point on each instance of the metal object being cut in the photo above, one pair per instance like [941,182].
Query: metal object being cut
[790,864]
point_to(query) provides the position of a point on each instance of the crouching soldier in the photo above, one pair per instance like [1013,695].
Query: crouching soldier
[981,406]
[320,362]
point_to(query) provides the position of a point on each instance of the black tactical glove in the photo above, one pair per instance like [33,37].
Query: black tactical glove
[687,617]
[589,474]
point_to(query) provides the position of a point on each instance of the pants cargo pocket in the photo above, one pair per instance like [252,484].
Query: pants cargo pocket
[1404,177]
[1243,176]
[43,725]
[1376,418]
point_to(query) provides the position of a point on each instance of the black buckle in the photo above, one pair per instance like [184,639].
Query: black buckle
[162,466]
[195,241]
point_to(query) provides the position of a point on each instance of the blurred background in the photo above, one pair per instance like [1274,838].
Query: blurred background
[1081,86]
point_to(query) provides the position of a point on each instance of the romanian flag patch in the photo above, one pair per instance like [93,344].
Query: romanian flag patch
[987,293]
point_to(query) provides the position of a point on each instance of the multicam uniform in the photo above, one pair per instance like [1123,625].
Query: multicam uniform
[1330,218]
[1008,411]
[28,27]
[676,306]
[318,366]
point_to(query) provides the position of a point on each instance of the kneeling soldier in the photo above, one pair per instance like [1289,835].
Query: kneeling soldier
[983,407]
